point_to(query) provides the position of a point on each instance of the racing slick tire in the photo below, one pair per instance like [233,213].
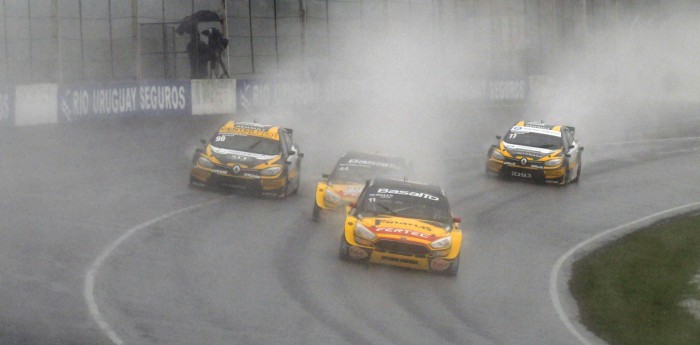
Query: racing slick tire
[578,173]
[343,253]
[298,183]
[316,215]
[567,175]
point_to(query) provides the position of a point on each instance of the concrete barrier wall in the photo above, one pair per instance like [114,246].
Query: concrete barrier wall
[35,104]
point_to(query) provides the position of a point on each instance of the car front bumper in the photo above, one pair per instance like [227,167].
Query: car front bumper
[375,255]
[222,179]
[536,173]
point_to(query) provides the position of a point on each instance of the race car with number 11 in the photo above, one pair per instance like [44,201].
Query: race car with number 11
[404,224]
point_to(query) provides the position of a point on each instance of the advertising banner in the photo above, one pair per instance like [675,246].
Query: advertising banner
[213,96]
[254,94]
[115,99]
[488,90]
[7,105]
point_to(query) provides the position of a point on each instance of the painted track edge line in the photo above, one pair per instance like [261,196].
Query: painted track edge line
[89,286]
[630,226]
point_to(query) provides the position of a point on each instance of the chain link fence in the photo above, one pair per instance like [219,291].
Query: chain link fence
[94,40]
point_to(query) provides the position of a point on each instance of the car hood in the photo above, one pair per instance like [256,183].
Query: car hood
[347,191]
[527,151]
[240,157]
[406,229]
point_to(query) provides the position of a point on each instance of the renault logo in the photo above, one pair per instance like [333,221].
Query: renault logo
[236,169]
[523,161]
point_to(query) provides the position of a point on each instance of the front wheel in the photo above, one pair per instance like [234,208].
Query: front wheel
[454,267]
[343,254]
[567,174]
[316,215]
[578,173]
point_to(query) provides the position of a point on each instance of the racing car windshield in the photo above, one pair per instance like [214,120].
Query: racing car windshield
[357,172]
[406,204]
[247,143]
[533,140]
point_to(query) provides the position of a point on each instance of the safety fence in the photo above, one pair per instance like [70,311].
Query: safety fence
[88,40]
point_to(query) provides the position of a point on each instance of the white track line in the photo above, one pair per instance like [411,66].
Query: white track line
[628,227]
[89,287]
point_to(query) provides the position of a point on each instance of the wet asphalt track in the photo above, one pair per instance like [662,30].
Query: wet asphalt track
[246,270]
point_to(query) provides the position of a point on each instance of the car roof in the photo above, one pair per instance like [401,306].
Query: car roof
[375,157]
[252,128]
[406,185]
[541,125]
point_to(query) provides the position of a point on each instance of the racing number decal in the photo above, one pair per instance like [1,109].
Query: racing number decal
[220,138]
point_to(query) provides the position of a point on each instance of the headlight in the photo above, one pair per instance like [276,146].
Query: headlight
[331,197]
[553,162]
[362,231]
[442,243]
[271,171]
[203,161]
[497,155]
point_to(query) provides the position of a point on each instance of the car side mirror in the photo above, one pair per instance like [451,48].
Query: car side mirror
[571,146]
[326,175]
[204,142]
[457,219]
[580,148]
[301,155]
[353,204]
[498,137]
[291,152]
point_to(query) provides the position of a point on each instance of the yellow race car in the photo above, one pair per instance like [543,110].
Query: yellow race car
[345,183]
[249,156]
[402,224]
[536,151]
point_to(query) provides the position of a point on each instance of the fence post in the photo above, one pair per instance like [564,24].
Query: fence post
[57,41]
[137,38]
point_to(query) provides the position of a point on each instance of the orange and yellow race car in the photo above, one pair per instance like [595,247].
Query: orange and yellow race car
[345,183]
[536,151]
[249,156]
[402,224]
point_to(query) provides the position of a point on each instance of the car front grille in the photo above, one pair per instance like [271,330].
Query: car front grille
[402,248]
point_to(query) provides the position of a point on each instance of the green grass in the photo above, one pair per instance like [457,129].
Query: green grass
[629,292]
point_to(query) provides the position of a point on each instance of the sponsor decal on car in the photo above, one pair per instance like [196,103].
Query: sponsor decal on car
[258,156]
[423,227]
[529,129]
[439,264]
[405,232]
[257,133]
[521,174]
[356,161]
[409,193]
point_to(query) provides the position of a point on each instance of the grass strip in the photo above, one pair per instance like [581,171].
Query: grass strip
[630,291]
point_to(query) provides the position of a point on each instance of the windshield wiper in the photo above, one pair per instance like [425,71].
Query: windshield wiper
[386,208]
